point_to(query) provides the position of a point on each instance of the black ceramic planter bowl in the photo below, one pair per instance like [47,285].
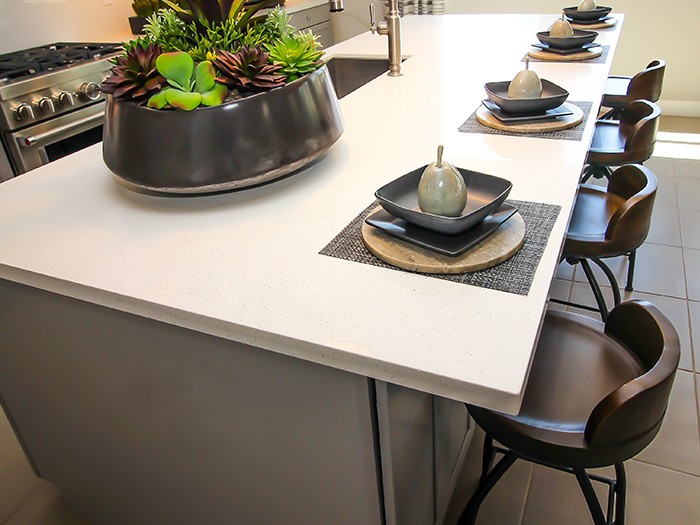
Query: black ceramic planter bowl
[580,38]
[236,145]
[552,97]
[594,14]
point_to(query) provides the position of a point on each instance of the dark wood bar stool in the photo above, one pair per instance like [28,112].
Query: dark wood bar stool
[629,140]
[645,85]
[596,397]
[608,223]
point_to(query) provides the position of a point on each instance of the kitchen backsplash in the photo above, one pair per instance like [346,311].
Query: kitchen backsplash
[30,23]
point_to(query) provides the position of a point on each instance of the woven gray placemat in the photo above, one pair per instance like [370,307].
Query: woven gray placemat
[472,125]
[514,275]
[597,60]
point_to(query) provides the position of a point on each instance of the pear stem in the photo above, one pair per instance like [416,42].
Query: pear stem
[527,63]
[439,158]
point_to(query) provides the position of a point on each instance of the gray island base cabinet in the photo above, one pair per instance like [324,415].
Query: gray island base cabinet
[140,422]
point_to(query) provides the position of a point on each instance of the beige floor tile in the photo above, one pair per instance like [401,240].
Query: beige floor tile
[677,446]
[658,496]
[559,289]
[555,499]
[17,480]
[665,226]
[686,167]
[694,311]
[564,271]
[581,293]
[45,507]
[677,312]
[692,273]
[660,166]
[688,192]
[690,228]
[666,194]
[659,270]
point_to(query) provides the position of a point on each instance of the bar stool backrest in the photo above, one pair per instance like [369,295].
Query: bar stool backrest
[639,124]
[630,223]
[635,411]
[647,84]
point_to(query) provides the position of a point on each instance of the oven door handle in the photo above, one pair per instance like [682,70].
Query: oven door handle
[31,140]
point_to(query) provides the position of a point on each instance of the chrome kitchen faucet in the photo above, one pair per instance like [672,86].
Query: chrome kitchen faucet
[390,26]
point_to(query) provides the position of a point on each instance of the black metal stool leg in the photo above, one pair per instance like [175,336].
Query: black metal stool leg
[487,457]
[470,512]
[611,277]
[620,493]
[632,258]
[591,498]
[597,293]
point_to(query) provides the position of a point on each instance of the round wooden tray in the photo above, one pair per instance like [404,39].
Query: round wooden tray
[487,118]
[587,54]
[601,25]
[502,245]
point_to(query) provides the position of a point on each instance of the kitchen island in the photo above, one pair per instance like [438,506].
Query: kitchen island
[185,360]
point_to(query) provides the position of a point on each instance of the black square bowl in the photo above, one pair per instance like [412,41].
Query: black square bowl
[552,97]
[580,38]
[594,14]
[485,193]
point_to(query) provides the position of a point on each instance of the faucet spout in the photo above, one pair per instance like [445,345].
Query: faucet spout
[336,6]
[390,26]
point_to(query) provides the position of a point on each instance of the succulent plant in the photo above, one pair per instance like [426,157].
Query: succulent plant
[190,86]
[135,75]
[217,11]
[297,54]
[145,7]
[248,69]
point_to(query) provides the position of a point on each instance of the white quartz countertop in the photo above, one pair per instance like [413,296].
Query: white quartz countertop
[246,266]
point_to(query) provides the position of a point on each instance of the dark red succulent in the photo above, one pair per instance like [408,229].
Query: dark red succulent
[135,75]
[248,68]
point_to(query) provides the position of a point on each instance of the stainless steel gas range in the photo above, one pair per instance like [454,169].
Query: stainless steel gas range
[51,104]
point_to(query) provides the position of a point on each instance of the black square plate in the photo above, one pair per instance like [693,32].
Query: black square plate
[485,193]
[561,111]
[552,97]
[545,47]
[594,14]
[452,245]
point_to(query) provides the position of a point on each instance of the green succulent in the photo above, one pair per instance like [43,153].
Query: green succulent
[297,54]
[134,75]
[166,28]
[190,86]
[145,7]
[248,69]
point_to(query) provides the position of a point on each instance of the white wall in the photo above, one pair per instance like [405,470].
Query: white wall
[30,23]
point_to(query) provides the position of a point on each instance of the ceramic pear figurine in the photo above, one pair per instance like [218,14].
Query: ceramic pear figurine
[561,28]
[526,84]
[586,5]
[441,190]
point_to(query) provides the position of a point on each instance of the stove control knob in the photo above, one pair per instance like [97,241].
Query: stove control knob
[45,105]
[24,112]
[90,91]
[65,99]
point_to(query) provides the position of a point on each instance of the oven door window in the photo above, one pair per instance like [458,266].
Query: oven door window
[73,143]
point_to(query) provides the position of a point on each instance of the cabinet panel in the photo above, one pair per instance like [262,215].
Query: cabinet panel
[310,17]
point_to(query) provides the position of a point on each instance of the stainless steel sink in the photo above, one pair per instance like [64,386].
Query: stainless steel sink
[349,74]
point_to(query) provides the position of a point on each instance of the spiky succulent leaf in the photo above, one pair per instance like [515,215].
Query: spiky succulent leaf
[296,54]
[135,75]
[249,68]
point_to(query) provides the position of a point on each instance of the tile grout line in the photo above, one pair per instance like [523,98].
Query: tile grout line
[527,494]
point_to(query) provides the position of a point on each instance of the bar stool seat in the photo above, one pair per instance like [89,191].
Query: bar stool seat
[596,396]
